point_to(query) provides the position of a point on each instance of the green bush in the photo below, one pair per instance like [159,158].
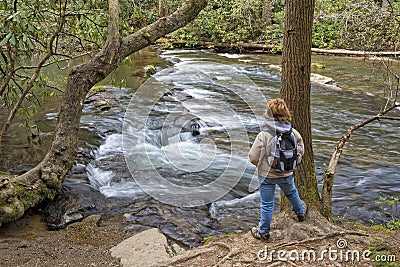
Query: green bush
[356,25]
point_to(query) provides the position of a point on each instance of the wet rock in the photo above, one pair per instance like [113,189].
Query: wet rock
[78,169]
[102,101]
[76,201]
[174,222]
[103,105]
[315,78]
[318,78]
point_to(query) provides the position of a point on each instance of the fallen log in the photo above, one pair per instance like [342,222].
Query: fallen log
[345,52]
[243,48]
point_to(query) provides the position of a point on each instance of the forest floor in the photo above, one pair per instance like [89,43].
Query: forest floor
[314,242]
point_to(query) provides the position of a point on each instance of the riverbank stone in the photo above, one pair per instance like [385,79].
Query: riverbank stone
[147,248]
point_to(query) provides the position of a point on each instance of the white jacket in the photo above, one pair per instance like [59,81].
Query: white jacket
[262,146]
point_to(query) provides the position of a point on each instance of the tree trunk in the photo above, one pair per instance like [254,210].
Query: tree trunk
[296,87]
[17,194]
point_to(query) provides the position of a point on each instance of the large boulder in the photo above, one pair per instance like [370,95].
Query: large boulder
[147,248]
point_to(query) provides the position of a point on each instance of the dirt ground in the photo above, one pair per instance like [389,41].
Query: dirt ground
[28,243]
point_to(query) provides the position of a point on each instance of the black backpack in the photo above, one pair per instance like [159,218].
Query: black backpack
[284,156]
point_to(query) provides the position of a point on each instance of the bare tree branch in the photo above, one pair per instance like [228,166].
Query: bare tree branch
[67,58]
[388,118]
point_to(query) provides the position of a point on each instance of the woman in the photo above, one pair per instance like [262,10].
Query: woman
[278,119]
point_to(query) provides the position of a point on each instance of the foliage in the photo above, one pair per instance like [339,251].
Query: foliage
[50,32]
[209,239]
[137,14]
[357,25]
[236,21]
[53,33]
[389,213]
[337,219]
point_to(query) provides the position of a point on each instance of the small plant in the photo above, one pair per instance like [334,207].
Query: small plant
[337,219]
[150,70]
[209,239]
[379,251]
[389,213]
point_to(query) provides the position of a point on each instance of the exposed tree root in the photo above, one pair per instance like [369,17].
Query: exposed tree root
[330,235]
[315,233]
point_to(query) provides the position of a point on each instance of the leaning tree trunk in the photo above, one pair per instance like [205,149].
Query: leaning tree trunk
[296,87]
[17,194]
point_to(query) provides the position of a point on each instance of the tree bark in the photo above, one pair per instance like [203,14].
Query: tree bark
[17,194]
[296,88]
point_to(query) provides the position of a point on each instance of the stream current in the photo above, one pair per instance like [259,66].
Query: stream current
[173,153]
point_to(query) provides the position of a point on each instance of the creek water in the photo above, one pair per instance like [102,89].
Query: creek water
[193,122]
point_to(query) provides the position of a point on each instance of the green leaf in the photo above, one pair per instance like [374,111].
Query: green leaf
[30,44]
[21,45]
[13,41]
[5,40]
[13,15]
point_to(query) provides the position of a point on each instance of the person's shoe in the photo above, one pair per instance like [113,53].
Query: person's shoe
[301,217]
[257,235]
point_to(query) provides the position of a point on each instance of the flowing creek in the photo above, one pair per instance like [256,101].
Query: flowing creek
[198,116]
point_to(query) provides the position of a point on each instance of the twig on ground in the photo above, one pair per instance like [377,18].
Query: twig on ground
[191,254]
[228,256]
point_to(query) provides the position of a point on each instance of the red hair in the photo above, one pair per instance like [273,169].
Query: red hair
[278,110]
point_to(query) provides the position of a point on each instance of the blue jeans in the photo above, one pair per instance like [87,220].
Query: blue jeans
[267,195]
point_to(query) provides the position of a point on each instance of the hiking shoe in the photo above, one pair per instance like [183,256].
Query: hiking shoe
[257,235]
[301,217]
